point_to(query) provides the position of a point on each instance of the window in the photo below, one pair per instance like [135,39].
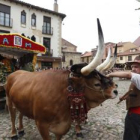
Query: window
[4,15]
[1,18]
[23,17]
[63,58]
[33,20]
[129,58]
[46,43]
[121,57]
[7,19]
[47,25]
[4,19]
[87,59]
[71,62]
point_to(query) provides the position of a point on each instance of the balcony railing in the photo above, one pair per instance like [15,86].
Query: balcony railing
[48,53]
[46,30]
[7,22]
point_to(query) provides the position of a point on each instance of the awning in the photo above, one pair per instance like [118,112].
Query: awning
[15,45]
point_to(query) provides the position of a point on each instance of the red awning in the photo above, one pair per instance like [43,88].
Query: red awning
[15,43]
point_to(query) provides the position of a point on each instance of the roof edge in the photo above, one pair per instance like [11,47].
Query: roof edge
[39,8]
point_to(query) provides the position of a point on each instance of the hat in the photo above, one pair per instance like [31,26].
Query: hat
[136,60]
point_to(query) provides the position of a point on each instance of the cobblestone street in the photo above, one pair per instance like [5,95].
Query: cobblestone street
[105,122]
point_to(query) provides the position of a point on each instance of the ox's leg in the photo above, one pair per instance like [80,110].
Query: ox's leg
[58,137]
[44,130]
[78,131]
[12,111]
[20,128]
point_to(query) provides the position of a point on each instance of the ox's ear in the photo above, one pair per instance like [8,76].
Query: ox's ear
[77,68]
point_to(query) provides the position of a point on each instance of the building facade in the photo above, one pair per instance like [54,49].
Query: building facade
[70,54]
[40,25]
[87,57]
[126,51]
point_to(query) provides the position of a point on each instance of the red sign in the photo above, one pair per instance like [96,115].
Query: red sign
[20,42]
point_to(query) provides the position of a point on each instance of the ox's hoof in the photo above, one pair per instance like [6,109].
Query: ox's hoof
[14,137]
[79,135]
[21,133]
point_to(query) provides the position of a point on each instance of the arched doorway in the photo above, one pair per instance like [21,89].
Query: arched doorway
[71,62]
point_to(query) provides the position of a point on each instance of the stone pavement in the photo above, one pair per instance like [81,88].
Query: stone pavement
[105,122]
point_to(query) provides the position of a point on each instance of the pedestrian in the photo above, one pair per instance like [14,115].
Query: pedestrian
[132,119]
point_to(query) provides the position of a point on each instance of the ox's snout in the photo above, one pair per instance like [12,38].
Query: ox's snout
[115,92]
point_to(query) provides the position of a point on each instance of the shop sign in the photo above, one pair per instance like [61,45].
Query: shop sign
[21,42]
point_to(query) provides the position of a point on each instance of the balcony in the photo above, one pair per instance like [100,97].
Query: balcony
[46,30]
[48,53]
[6,22]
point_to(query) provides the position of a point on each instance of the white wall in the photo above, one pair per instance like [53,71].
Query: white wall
[56,23]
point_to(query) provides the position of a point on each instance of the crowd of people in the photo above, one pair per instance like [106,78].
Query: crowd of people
[50,68]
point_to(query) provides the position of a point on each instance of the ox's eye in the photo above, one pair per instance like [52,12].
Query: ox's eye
[98,85]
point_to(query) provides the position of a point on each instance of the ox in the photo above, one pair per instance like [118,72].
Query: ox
[45,96]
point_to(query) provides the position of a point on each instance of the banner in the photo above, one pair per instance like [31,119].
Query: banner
[21,42]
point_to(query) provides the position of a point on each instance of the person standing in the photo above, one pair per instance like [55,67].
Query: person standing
[132,119]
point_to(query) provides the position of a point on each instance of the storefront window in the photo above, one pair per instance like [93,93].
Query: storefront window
[47,65]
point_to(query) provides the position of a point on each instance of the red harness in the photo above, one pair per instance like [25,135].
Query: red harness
[78,107]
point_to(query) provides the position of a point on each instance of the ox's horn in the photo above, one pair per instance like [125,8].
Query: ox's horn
[111,62]
[102,65]
[97,59]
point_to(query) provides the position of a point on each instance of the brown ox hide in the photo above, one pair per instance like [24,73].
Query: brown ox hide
[42,96]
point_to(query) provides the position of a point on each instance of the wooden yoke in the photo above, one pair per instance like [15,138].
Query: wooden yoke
[126,94]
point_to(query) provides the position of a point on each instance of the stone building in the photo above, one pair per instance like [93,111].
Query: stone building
[70,54]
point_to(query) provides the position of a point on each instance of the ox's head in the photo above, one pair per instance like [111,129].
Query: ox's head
[98,87]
